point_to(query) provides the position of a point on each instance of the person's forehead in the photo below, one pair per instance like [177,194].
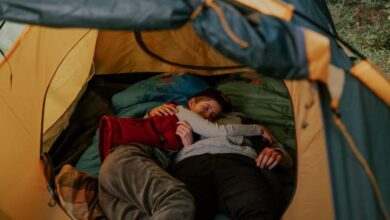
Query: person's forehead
[216,106]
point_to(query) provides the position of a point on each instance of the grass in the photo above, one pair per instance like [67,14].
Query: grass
[366,26]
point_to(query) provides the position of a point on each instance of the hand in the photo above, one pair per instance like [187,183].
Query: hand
[184,130]
[269,158]
[163,110]
[266,134]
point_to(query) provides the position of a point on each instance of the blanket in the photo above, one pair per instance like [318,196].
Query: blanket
[78,194]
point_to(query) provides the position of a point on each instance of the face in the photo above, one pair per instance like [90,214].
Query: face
[207,108]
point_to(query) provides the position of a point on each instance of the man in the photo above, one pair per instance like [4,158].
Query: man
[223,175]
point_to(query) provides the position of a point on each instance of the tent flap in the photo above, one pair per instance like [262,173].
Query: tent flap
[119,14]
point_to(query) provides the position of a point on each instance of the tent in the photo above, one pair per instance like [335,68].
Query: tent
[341,108]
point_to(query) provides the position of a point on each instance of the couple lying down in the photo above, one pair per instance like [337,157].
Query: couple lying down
[221,171]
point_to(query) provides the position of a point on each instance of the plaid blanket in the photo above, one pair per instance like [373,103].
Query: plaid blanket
[78,194]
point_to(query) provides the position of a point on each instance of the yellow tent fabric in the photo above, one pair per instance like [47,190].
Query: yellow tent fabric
[123,55]
[313,196]
[36,58]
[49,70]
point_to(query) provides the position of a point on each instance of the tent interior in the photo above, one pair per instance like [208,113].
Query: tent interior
[110,61]
[116,65]
[55,84]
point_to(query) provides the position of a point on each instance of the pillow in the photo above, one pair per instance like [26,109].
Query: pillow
[137,99]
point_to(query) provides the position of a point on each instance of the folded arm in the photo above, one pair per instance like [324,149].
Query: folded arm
[206,128]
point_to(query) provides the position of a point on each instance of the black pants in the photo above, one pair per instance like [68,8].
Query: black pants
[228,183]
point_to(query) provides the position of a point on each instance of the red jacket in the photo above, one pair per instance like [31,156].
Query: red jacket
[157,131]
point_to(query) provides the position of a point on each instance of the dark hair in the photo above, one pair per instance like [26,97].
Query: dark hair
[218,96]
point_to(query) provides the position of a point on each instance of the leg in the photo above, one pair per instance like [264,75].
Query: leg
[195,173]
[133,186]
[282,184]
[243,190]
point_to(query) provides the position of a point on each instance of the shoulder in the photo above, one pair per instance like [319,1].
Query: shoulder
[181,108]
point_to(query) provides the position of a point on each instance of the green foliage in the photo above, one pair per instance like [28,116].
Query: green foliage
[365,24]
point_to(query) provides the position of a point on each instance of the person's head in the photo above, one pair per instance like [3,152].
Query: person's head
[209,103]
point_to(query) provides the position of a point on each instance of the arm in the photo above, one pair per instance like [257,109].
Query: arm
[206,128]
[164,109]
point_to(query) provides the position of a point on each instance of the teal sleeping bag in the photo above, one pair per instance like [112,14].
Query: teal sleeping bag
[136,100]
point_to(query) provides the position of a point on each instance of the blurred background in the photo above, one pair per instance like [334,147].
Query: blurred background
[365,24]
